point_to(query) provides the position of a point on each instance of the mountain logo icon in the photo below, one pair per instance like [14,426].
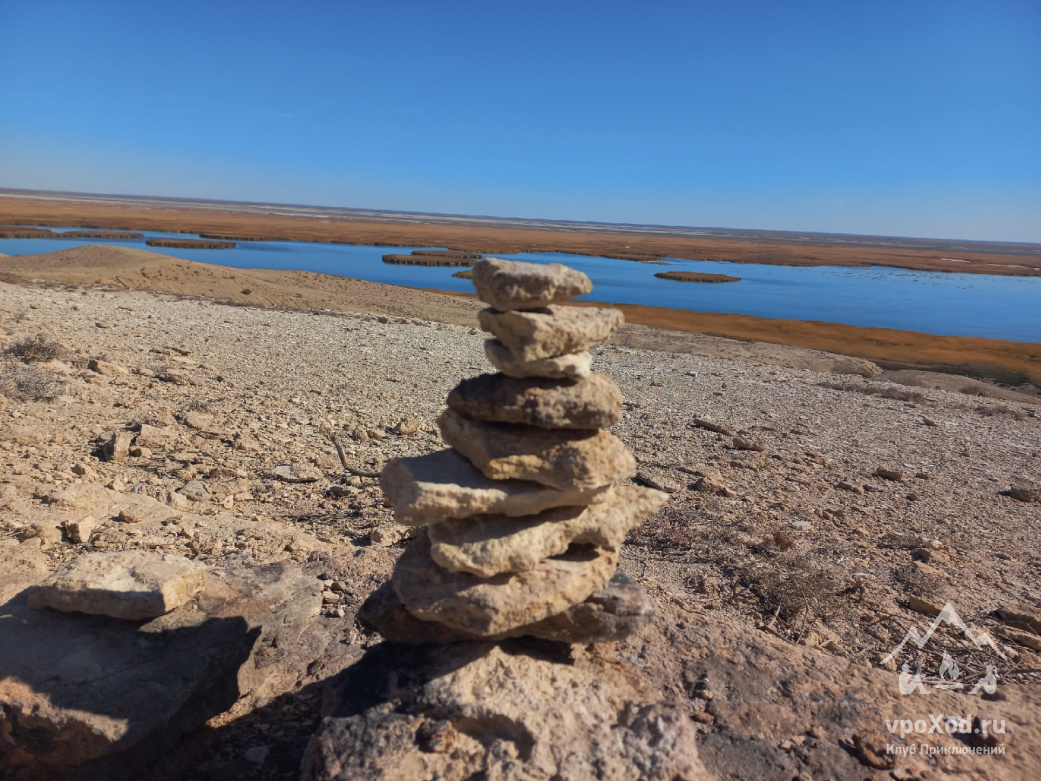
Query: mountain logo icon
[948,672]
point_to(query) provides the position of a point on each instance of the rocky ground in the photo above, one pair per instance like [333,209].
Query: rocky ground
[814,518]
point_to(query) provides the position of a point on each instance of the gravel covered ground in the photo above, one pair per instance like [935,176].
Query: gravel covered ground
[781,528]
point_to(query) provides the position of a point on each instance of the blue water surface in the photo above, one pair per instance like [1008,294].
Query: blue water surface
[998,307]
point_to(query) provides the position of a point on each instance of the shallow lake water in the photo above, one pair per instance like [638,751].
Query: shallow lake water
[950,304]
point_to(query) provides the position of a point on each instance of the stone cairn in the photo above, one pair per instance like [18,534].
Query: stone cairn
[523,514]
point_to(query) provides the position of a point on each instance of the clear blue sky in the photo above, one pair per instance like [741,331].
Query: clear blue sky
[907,117]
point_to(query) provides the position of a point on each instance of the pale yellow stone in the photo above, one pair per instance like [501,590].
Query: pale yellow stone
[490,606]
[572,365]
[441,485]
[561,459]
[132,584]
[488,545]
[553,331]
[589,403]
[514,284]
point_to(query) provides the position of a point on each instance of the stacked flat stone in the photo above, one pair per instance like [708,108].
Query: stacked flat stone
[523,514]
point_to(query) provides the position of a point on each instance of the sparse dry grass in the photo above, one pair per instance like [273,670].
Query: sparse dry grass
[897,394]
[1001,410]
[38,348]
[25,382]
[193,405]
[791,585]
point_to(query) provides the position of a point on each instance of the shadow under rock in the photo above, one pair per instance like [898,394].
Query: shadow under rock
[266,744]
[91,697]
[269,743]
[389,670]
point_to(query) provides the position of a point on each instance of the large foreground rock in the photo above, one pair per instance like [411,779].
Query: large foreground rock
[521,711]
[78,690]
[133,584]
[431,488]
[93,698]
[560,459]
[511,284]
[492,606]
[1025,490]
[489,545]
[590,403]
[553,331]
[609,614]
[572,365]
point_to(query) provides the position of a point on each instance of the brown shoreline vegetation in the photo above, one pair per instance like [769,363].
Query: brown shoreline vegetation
[496,240]
[696,276]
[637,257]
[190,244]
[433,258]
[26,233]
[44,233]
[1010,363]
[225,237]
[99,235]
[448,253]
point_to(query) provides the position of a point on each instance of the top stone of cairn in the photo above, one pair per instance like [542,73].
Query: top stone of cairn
[509,284]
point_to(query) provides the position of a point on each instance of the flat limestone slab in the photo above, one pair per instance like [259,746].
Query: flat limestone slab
[492,606]
[610,614]
[590,403]
[552,331]
[488,545]
[134,585]
[431,488]
[513,284]
[561,459]
[572,365]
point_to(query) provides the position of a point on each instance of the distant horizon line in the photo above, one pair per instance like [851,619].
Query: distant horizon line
[656,228]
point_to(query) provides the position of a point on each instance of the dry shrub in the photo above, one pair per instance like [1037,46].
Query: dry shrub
[897,394]
[1000,410]
[775,543]
[919,582]
[975,390]
[791,585]
[681,529]
[24,382]
[783,540]
[666,533]
[193,404]
[38,348]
